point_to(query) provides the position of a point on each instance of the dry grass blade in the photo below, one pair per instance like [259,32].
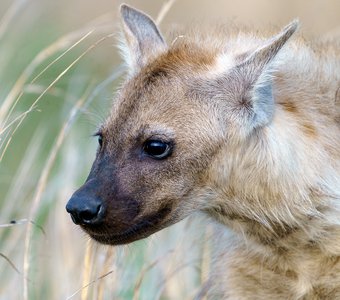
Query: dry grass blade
[43,180]
[14,223]
[32,107]
[162,285]
[9,16]
[89,284]
[201,293]
[18,86]
[144,271]
[6,126]
[20,222]
[38,89]
[61,44]
[87,268]
[107,264]
[117,73]
[206,255]
[61,55]
[11,263]
[39,227]
[164,10]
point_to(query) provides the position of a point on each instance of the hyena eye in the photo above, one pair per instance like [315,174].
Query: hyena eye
[157,149]
[100,138]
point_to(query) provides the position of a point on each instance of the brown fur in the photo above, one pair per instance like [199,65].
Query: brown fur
[253,124]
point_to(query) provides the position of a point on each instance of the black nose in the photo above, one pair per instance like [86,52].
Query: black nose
[85,210]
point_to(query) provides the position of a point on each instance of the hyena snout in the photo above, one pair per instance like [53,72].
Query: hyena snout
[85,207]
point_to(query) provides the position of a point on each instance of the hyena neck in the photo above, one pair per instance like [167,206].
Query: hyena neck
[318,235]
[282,187]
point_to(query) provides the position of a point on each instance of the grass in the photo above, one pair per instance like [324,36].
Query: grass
[54,90]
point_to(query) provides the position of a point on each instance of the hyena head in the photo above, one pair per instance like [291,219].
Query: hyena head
[180,108]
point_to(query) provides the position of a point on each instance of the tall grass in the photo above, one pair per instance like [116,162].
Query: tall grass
[52,88]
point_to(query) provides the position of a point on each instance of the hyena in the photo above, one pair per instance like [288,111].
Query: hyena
[243,126]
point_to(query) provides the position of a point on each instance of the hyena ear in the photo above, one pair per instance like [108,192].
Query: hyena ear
[143,40]
[255,70]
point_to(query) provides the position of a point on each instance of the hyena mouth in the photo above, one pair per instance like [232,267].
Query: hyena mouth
[140,230]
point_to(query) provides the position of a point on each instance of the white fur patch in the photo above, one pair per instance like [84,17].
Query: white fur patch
[224,62]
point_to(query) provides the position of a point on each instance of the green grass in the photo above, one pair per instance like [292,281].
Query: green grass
[46,151]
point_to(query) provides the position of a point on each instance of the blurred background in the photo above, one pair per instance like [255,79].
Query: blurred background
[59,69]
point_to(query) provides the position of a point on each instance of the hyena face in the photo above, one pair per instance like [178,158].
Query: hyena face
[169,122]
[151,162]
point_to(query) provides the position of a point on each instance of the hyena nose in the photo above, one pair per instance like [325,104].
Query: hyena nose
[85,210]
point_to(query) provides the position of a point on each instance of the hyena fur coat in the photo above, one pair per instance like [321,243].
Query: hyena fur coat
[243,126]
